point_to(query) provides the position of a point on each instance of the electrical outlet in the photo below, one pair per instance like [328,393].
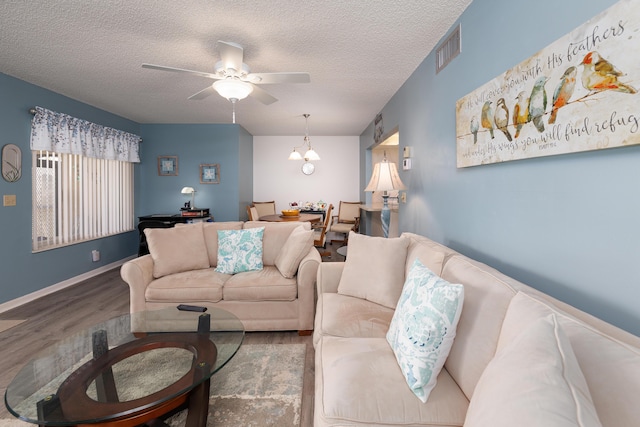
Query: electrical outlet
[9,200]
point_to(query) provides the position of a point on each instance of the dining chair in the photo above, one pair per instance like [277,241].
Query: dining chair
[252,213]
[320,233]
[265,208]
[348,219]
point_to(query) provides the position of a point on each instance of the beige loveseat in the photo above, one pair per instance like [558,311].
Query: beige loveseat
[358,381]
[180,269]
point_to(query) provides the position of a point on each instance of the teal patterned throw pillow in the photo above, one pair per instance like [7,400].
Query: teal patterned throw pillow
[423,327]
[239,250]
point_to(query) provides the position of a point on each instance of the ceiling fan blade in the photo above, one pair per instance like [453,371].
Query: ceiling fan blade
[262,95]
[231,55]
[203,93]
[272,78]
[181,70]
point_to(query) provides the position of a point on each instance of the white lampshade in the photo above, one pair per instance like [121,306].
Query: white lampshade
[233,89]
[295,155]
[385,178]
[311,155]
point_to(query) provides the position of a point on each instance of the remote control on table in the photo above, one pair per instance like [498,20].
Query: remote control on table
[185,307]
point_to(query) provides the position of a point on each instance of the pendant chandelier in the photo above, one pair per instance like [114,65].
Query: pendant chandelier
[310,153]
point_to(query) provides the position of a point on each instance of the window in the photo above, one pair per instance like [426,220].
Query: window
[78,198]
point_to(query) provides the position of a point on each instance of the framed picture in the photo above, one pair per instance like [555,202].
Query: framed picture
[168,165]
[210,174]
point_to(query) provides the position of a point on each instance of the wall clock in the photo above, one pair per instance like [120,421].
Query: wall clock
[308,168]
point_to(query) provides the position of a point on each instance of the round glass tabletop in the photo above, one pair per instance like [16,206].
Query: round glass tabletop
[123,366]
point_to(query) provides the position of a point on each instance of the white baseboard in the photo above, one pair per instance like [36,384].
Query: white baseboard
[61,285]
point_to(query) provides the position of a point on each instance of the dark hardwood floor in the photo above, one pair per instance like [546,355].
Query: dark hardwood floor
[67,311]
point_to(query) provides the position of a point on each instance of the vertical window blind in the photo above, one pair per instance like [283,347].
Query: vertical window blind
[79,196]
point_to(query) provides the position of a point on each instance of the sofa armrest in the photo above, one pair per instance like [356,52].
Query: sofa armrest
[138,273]
[306,278]
[329,274]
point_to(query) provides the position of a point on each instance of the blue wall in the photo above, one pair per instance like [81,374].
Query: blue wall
[23,272]
[228,145]
[567,225]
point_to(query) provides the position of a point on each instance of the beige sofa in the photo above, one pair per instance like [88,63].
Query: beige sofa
[180,269]
[358,381]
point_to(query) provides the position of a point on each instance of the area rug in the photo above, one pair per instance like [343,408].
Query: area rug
[8,324]
[260,386]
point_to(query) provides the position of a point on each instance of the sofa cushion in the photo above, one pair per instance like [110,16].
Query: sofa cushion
[533,381]
[374,269]
[263,285]
[487,294]
[239,250]
[345,316]
[610,367]
[424,326]
[177,249]
[358,383]
[210,230]
[189,286]
[275,235]
[430,253]
[294,249]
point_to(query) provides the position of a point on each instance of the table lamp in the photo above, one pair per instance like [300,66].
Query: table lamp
[192,191]
[385,178]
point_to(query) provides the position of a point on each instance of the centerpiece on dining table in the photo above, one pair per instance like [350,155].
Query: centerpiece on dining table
[294,210]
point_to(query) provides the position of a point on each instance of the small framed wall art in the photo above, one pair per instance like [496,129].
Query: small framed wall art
[210,174]
[168,165]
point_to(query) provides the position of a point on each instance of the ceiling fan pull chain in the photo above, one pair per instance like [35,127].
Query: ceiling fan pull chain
[233,103]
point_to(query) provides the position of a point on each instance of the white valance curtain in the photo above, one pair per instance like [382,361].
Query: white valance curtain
[61,133]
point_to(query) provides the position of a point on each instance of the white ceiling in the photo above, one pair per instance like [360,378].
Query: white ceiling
[358,54]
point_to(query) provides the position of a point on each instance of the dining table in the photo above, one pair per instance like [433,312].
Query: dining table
[287,218]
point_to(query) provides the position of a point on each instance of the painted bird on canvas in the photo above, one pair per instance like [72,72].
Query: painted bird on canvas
[486,118]
[563,92]
[599,74]
[520,112]
[538,103]
[474,126]
[501,118]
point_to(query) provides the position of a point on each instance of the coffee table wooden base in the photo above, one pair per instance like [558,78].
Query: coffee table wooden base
[72,399]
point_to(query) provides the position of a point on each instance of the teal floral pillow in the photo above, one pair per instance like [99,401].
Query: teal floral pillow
[423,327]
[239,250]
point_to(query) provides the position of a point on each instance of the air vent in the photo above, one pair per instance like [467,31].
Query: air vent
[449,49]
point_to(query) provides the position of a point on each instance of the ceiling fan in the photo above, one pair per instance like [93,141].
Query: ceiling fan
[234,79]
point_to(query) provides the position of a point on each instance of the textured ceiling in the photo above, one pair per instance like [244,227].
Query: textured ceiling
[358,54]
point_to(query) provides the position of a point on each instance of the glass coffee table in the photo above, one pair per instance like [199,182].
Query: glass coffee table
[128,370]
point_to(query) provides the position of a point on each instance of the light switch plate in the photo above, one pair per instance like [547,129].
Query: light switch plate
[9,200]
[406,164]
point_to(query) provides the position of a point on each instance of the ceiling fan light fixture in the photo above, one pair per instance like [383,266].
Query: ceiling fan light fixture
[233,89]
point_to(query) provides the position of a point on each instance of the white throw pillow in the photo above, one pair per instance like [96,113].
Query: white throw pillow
[178,249]
[374,269]
[423,327]
[239,250]
[534,381]
[294,249]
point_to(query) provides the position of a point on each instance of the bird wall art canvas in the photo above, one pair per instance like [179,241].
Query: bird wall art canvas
[578,94]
